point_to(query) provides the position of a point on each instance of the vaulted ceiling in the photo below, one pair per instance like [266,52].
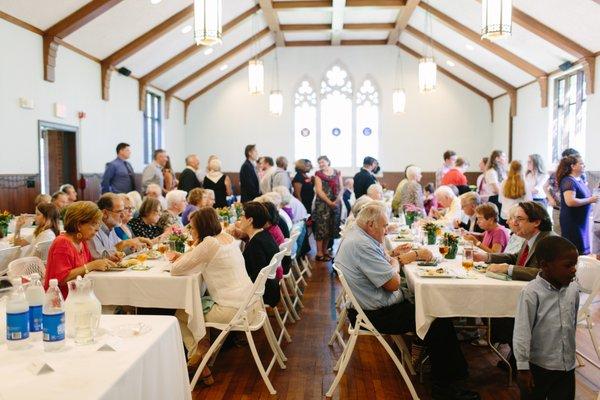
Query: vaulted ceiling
[156,43]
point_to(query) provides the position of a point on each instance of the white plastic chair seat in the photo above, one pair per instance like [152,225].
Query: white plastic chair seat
[26,266]
[588,278]
[42,248]
[6,256]
[254,325]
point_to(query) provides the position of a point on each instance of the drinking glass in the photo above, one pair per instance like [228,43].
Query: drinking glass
[443,248]
[467,260]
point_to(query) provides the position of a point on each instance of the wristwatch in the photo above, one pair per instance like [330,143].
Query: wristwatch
[86,269]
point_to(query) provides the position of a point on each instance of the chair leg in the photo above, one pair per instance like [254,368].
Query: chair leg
[344,359]
[288,313]
[286,298]
[211,350]
[338,329]
[406,359]
[391,353]
[298,272]
[283,332]
[216,352]
[295,290]
[590,327]
[306,267]
[282,356]
[259,365]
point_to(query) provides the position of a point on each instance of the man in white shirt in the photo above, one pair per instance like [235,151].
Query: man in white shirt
[153,173]
[281,177]
[449,209]
[268,168]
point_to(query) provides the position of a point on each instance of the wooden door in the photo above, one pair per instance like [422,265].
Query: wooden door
[59,159]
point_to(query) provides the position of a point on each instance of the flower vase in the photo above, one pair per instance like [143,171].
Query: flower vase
[180,246]
[3,230]
[451,255]
[431,238]
[410,218]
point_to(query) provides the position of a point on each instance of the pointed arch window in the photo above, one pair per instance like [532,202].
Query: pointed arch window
[305,122]
[336,117]
[367,121]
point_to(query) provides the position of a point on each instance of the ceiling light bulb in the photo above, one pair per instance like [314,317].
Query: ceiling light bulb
[224,67]
[208,51]
[186,29]
[450,63]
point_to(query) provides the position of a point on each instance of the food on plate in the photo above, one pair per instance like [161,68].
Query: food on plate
[153,254]
[129,263]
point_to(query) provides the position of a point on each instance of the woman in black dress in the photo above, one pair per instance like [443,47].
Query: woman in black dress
[218,182]
[304,185]
[260,248]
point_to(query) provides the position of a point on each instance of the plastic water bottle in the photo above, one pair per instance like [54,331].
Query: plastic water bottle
[53,318]
[35,297]
[17,317]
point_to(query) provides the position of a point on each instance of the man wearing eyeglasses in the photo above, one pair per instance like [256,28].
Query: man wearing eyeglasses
[532,223]
[106,243]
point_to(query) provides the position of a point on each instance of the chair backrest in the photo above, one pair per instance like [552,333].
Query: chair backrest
[26,266]
[42,248]
[289,244]
[275,262]
[588,277]
[300,226]
[6,256]
[256,294]
[350,296]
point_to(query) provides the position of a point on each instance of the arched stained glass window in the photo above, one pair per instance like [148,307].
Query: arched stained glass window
[336,117]
[305,122]
[367,121]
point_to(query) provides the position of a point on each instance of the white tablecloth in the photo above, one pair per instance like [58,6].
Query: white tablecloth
[145,367]
[446,297]
[153,288]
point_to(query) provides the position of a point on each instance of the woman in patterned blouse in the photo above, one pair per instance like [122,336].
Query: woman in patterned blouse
[145,225]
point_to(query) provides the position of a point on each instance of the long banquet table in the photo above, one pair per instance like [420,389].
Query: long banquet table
[144,367]
[154,288]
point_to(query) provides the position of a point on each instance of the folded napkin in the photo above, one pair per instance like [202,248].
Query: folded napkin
[499,276]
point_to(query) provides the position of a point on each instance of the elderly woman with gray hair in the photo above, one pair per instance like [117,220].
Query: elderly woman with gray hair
[449,209]
[176,204]
[412,191]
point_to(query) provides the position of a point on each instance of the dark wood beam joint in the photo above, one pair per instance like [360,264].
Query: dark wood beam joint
[543,82]
[105,71]
[142,87]
[589,69]
[50,50]
[512,95]
[168,98]
[491,104]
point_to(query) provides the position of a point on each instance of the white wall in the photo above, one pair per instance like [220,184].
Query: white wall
[77,86]
[531,126]
[225,119]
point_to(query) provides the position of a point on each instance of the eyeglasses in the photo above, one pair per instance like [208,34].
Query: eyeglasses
[117,211]
[129,209]
[520,219]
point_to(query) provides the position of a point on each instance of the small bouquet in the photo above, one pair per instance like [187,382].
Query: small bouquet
[239,209]
[178,238]
[5,218]
[411,213]
[432,230]
[450,239]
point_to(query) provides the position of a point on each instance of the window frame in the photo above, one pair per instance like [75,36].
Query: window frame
[152,121]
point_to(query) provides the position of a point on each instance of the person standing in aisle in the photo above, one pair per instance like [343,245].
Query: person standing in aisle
[365,177]
[249,187]
[118,174]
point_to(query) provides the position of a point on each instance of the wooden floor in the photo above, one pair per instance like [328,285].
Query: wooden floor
[370,374]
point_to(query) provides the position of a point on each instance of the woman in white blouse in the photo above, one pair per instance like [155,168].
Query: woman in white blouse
[494,175]
[217,256]
[47,219]
[536,178]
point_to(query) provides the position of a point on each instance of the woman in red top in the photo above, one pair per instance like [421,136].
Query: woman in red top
[69,257]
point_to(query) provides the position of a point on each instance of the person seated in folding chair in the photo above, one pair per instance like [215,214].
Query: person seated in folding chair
[373,277]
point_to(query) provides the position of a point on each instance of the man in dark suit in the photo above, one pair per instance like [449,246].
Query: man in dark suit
[365,177]
[532,223]
[248,175]
[188,179]
[468,203]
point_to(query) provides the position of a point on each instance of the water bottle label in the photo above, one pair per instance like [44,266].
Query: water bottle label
[35,318]
[54,327]
[17,326]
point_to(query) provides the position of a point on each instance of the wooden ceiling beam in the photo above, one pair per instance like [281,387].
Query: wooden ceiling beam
[369,27]
[455,78]
[403,18]
[305,27]
[53,35]
[347,27]
[226,76]
[279,5]
[337,21]
[193,49]
[272,21]
[304,43]
[192,77]
[363,42]
[282,5]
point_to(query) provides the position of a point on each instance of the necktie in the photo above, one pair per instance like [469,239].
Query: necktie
[523,257]
[131,174]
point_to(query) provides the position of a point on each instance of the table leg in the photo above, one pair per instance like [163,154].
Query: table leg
[495,350]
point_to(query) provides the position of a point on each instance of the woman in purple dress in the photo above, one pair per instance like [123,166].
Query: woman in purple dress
[576,201]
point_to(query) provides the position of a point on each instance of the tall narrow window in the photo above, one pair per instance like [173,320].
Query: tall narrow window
[305,122]
[568,125]
[367,121]
[336,117]
[152,126]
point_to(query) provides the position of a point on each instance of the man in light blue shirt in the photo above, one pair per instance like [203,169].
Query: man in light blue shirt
[373,278]
[545,324]
[153,173]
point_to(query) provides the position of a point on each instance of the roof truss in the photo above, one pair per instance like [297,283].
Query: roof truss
[272,21]
[402,21]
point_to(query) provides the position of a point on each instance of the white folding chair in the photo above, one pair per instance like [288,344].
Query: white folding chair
[6,256]
[363,326]
[290,283]
[306,268]
[41,249]
[588,277]
[241,322]
[340,304]
[26,266]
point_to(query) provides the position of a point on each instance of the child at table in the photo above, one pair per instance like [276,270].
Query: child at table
[544,334]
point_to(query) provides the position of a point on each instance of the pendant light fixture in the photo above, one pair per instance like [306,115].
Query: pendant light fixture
[256,70]
[427,65]
[399,95]
[276,98]
[208,27]
[496,19]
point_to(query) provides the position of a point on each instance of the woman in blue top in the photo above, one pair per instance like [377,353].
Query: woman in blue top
[575,199]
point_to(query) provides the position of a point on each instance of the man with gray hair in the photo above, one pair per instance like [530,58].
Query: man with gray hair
[374,279]
[281,177]
[155,191]
[176,203]
[153,173]
[468,203]
[70,191]
[448,206]
[188,179]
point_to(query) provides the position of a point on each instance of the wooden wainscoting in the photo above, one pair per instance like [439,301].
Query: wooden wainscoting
[15,195]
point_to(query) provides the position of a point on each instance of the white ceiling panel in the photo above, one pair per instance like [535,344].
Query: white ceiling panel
[122,24]
[459,70]
[522,43]
[480,56]
[41,13]
[357,15]
[579,20]
[236,36]
[304,16]
[307,35]
[364,35]
[216,72]
[232,9]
